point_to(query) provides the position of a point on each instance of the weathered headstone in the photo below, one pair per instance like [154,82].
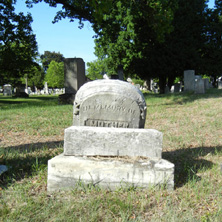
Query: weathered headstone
[120,72]
[219,85]
[206,83]
[74,74]
[107,144]
[166,90]
[107,103]
[199,86]
[189,80]
[177,87]
[7,90]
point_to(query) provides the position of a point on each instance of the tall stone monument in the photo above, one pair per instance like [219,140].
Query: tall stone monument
[74,74]
[107,144]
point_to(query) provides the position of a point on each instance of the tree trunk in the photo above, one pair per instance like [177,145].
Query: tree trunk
[162,84]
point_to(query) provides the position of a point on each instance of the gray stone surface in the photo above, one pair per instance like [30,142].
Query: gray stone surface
[7,90]
[199,86]
[65,172]
[102,101]
[189,80]
[91,141]
[206,83]
[219,85]
[177,87]
[74,69]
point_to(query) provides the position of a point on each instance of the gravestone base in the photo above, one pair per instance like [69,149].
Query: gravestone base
[66,98]
[65,172]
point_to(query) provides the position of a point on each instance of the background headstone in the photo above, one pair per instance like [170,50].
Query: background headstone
[199,86]
[74,69]
[206,83]
[219,85]
[7,90]
[189,80]
[74,74]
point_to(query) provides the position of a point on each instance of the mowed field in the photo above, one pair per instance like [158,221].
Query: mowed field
[32,132]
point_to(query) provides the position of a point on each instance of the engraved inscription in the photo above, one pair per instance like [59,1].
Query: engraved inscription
[105,123]
[115,108]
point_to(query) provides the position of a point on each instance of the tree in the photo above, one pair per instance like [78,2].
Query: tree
[18,46]
[96,69]
[48,56]
[55,75]
[37,78]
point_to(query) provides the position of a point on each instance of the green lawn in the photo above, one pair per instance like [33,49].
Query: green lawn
[32,131]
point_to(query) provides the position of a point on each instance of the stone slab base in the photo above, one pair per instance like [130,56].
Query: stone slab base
[106,141]
[64,172]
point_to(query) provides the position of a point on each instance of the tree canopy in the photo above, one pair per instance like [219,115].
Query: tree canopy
[55,74]
[18,46]
[151,38]
[48,56]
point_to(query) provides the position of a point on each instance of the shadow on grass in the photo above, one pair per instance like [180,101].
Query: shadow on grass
[183,98]
[32,101]
[189,161]
[25,160]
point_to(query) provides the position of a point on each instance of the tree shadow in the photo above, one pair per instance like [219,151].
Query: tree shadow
[25,160]
[188,162]
[32,101]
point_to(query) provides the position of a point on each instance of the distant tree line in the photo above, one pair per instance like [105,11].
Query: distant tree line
[150,39]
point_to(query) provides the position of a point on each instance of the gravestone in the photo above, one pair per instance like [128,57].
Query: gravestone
[74,74]
[107,144]
[109,103]
[7,90]
[21,91]
[166,90]
[206,83]
[219,85]
[189,80]
[199,86]
[177,87]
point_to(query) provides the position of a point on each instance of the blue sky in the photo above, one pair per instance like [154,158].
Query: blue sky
[64,36]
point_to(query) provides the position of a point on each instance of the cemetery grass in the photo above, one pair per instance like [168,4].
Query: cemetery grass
[32,132]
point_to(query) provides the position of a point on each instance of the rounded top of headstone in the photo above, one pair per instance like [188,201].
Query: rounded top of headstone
[113,103]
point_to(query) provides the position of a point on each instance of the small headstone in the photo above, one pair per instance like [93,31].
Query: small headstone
[189,80]
[206,83]
[7,90]
[219,85]
[120,72]
[166,90]
[199,86]
[177,87]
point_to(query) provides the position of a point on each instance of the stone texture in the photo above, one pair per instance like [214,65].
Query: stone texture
[219,85]
[74,69]
[206,83]
[189,80]
[109,101]
[199,86]
[65,172]
[7,90]
[91,141]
